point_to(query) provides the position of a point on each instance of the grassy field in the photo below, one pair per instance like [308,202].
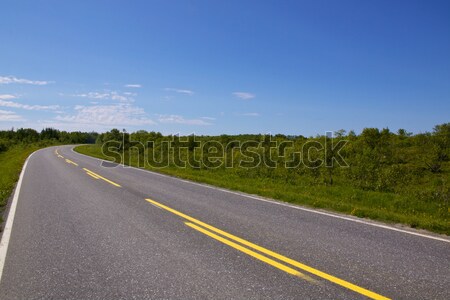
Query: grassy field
[11,163]
[382,206]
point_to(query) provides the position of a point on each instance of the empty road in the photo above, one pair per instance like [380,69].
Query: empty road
[84,231]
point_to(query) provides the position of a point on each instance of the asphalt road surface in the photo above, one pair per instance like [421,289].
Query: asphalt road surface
[86,231]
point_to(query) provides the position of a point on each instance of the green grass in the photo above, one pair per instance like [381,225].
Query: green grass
[406,208]
[11,163]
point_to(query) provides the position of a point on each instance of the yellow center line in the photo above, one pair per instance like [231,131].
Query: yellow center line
[101,177]
[92,175]
[60,156]
[285,259]
[71,162]
[250,252]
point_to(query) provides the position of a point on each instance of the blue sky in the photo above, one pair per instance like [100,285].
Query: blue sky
[213,67]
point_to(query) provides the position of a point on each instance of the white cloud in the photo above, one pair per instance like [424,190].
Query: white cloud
[133,85]
[250,114]
[26,106]
[93,95]
[45,123]
[106,95]
[10,116]
[208,118]
[7,97]
[243,95]
[176,119]
[12,79]
[121,98]
[122,114]
[180,91]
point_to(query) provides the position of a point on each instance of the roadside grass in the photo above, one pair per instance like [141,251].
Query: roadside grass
[11,163]
[405,208]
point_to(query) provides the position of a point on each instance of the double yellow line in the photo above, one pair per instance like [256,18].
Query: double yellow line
[57,153]
[88,172]
[71,162]
[220,236]
[97,176]
[67,160]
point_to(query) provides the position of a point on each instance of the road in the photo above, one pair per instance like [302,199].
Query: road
[86,231]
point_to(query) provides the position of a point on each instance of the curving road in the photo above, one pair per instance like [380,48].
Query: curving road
[85,231]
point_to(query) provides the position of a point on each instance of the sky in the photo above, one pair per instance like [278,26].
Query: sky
[225,67]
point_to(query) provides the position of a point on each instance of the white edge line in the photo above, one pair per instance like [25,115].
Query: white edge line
[9,223]
[280,203]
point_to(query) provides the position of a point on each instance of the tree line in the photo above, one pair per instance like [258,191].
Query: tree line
[378,160]
[47,136]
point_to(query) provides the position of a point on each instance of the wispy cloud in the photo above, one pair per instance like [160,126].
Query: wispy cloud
[10,116]
[13,79]
[93,95]
[244,95]
[208,118]
[7,97]
[125,97]
[133,85]
[176,119]
[249,114]
[180,91]
[12,104]
[121,114]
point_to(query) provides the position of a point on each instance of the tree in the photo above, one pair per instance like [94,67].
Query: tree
[49,134]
